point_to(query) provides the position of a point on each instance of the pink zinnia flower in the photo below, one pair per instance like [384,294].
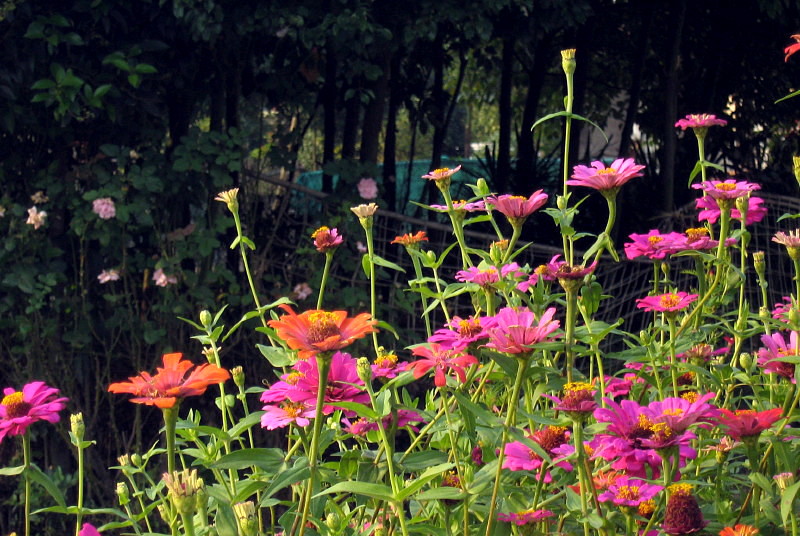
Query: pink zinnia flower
[727,189]
[679,414]
[106,276]
[654,244]
[162,280]
[525,517]
[514,331]
[485,277]
[326,239]
[367,188]
[462,331]
[104,207]
[709,210]
[442,360]
[670,302]
[552,439]
[577,400]
[782,309]
[285,414]
[747,423]
[20,409]
[549,271]
[88,530]
[441,174]
[604,178]
[516,207]
[700,121]
[387,366]
[626,491]
[771,358]
[36,217]
[462,206]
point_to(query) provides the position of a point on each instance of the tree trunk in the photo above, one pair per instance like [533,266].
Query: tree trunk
[635,89]
[390,140]
[352,111]
[503,169]
[526,152]
[671,110]
[373,114]
[329,117]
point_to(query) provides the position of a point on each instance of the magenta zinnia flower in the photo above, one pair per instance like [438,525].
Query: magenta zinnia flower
[20,409]
[514,331]
[727,189]
[670,302]
[604,178]
[552,439]
[709,210]
[700,121]
[517,207]
[442,359]
[462,331]
[525,517]
[285,414]
[747,423]
[626,491]
[654,244]
[88,530]
[485,277]
[771,358]
[577,400]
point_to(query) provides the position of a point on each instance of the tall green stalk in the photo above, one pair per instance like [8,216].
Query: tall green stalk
[26,461]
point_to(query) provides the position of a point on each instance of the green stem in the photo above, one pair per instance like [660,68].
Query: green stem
[584,478]
[458,229]
[372,293]
[516,232]
[569,330]
[79,514]
[418,274]
[701,151]
[323,367]
[26,457]
[673,365]
[188,524]
[246,265]
[510,419]
[325,275]
[170,421]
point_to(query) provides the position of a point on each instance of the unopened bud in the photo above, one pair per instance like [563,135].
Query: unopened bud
[238,376]
[746,361]
[246,515]
[561,202]
[796,168]
[136,459]
[124,460]
[364,369]
[332,521]
[764,313]
[794,318]
[759,263]
[122,493]
[76,425]
[182,488]
[205,319]
[483,188]
[784,480]
[568,60]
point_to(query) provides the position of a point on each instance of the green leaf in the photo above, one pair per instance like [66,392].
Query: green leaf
[298,473]
[424,478]
[360,409]
[277,357]
[787,501]
[365,265]
[376,491]
[383,403]
[43,480]
[380,261]
[11,471]
[443,492]
[269,460]
[789,96]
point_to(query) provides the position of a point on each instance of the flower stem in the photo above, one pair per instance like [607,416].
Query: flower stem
[325,275]
[323,367]
[170,420]
[79,514]
[672,364]
[26,457]
[372,295]
[458,229]
[584,478]
[425,314]
[243,253]
[510,419]
[569,330]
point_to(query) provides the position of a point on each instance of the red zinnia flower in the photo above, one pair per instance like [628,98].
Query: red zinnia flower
[682,515]
[791,49]
[748,423]
[739,530]
[441,358]
[20,409]
[171,383]
[604,178]
[317,331]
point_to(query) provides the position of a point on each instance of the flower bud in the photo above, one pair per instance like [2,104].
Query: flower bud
[783,480]
[794,318]
[746,360]
[364,370]
[122,493]
[124,460]
[136,459]
[482,188]
[229,197]
[182,488]
[205,319]
[238,376]
[246,515]
[760,264]
[568,61]
[332,521]
[76,425]
[796,168]
[561,202]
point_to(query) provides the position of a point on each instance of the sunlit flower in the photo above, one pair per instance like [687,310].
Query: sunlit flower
[709,210]
[700,121]
[484,277]
[791,240]
[36,217]
[654,244]
[442,174]
[682,515]
[516,207]
[106,276]
[525,517]
[302,291]
[577,399]
[462,331]
[367,188]
[287,413]
[411,240]
[603,178]
[771,358]
[669,302]
[317,331]
[629,492]
[104,207]
[230,198]
[442,360]
[162,280]
[727,189]
[514,331]
[747,423]
[176,380]
[739,530]
[365,210]
[20,409]
[791,49]
[387,366]
[326,239]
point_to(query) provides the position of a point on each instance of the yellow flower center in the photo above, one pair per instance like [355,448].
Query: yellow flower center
[440,171]
[293,409]
[668,301]
[607,171]
[673,412]
[681,489]
[646,508]
[655,240]
[519,197]
[630,493]
[725,186]
[15,405]
[319,231]
[696,233]
[293,377]
[690,396]
[386,361]
[469,328]
[323,325]
[577,386]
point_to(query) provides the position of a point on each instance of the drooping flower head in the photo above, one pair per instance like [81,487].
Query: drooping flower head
[20,409]
[514,331]
[747,424]
[326,239]
[696,121]
[606,179]
[517,208]
[104,207]
[671,302]
[173,382]
[443,360]
[317,331]
[682,515]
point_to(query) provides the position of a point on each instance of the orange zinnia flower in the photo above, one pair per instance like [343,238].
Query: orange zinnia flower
[172,382]
[739,530]
[317,331]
